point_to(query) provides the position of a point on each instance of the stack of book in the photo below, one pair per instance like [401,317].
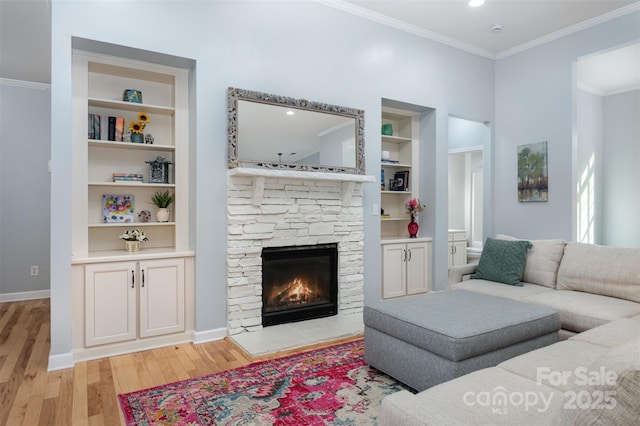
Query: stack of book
[127,177]
[111,127]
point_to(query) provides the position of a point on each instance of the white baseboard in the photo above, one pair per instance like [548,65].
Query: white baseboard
[209,335]
[25,295]
[60,362]
[115,349]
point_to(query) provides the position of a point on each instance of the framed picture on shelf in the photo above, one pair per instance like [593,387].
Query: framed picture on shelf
[402,180]
[117,209]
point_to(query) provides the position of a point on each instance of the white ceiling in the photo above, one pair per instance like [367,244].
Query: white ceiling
[525,23]
[25,25]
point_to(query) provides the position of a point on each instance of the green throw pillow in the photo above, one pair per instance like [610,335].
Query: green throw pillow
[502,261]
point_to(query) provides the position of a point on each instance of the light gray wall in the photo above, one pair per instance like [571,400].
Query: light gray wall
[298,49]
[25,128]
[589,166]
[467,134]
[535,102]
[457,191]
[621,170]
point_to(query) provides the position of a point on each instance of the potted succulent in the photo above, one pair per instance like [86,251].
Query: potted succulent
[162,200]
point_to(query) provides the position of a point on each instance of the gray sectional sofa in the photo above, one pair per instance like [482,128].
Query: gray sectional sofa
[591,377]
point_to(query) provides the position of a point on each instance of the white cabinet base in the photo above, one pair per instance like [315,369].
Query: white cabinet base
[107,329]
[110,303]
[406,267]
[457,247]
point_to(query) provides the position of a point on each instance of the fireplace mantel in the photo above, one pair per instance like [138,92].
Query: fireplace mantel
[294,174]
[260,175]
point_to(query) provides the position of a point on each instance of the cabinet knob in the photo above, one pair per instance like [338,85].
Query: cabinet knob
[409,259]
[133,278]
[143,278]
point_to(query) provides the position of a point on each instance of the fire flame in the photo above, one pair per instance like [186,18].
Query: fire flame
[297,292]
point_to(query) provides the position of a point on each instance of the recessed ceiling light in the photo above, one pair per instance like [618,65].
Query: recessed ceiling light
[496,28]
[290,112]
[476,3]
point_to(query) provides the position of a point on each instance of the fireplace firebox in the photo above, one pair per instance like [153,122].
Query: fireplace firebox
[299,283]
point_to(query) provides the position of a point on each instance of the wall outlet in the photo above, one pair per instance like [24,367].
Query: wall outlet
[35,270]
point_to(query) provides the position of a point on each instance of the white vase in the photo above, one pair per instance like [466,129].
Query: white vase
[162,215]
[132,246]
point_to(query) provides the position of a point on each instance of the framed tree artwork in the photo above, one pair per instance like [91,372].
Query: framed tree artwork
[533,173]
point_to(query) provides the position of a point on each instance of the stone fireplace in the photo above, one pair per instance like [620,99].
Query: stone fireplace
[270,209]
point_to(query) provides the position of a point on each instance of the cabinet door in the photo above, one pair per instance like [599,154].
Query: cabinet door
[393,270]
[110,302]
[418,270]
[459,253]
[161,297]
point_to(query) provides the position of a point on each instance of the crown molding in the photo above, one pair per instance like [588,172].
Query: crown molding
[403,26]
[25,84]
[571,30]
[421,32]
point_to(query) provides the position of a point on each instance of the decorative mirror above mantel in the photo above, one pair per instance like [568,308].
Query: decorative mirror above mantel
[281,133]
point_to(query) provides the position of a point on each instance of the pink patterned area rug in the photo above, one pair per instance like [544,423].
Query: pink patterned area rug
[328,386]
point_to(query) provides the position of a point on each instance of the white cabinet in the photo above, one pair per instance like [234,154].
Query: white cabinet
[129,300]
[457,247]
[110,302]
[124,302]
[406,267]
[402,149]
[161,297]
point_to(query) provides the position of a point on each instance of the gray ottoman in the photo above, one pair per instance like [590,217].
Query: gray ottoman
[431,338]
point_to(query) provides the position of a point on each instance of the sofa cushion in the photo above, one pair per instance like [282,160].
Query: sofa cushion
[614,397]
[609,271]
[582,311]
[544,365]
[611,334]
[502,261]
[459,324]
[542,260]
[478,398]
[493,288]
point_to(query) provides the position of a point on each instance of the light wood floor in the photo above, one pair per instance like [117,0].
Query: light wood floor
[86,394]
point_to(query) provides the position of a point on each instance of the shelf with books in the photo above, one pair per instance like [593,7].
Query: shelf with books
[97,143]
[130,106]
[110,164]
[122,184]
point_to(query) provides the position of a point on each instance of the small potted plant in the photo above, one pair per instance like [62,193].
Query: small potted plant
[132,239]
[162,200]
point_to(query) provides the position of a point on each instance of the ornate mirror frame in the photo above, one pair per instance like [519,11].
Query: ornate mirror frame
[234,95]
